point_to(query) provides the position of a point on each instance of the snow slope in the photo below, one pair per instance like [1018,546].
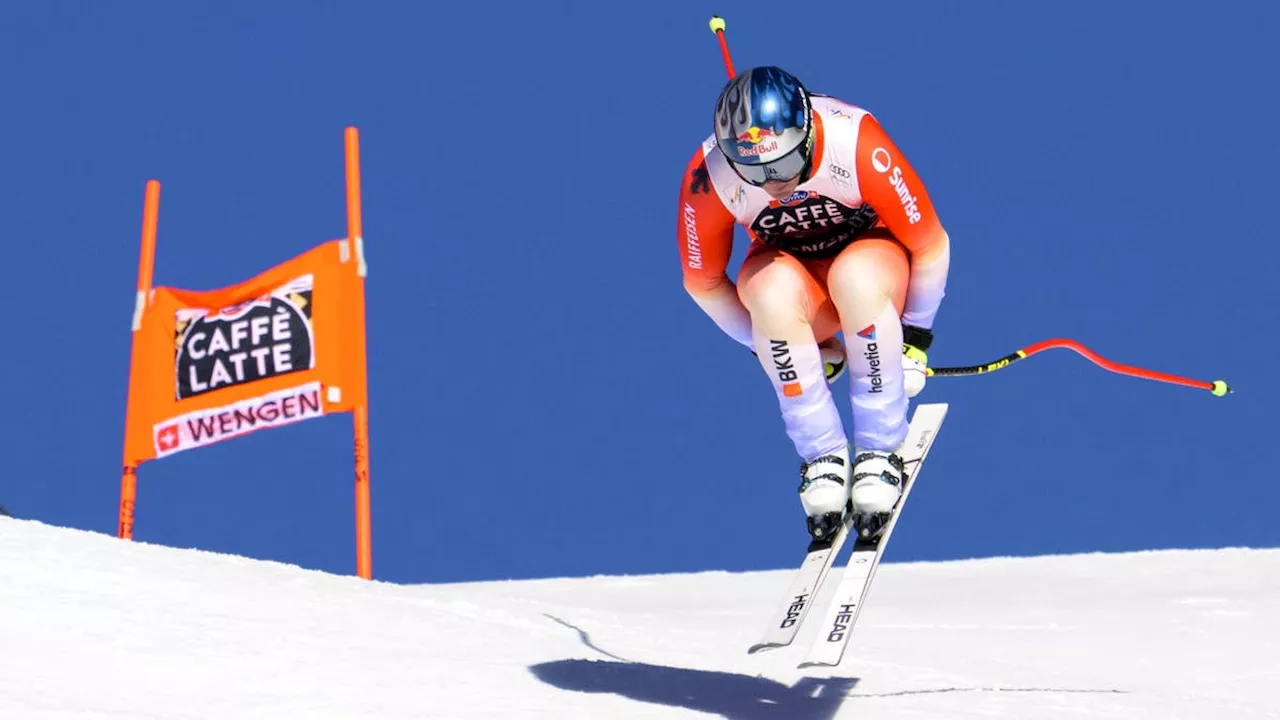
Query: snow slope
[92,627]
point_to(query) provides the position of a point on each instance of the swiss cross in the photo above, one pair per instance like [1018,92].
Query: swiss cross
[168,438]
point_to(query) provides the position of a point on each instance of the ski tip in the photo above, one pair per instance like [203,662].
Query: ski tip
[932,412]
[758,647]
[813,664]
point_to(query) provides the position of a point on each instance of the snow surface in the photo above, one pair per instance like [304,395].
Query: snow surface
[93,627]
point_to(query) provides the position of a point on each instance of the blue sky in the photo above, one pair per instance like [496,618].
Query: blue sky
[545,399]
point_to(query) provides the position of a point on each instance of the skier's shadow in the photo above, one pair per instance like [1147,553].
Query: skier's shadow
[734,697]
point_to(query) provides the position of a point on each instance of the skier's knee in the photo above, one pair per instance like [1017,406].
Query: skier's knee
[866,276]
[773,293]
[858,281]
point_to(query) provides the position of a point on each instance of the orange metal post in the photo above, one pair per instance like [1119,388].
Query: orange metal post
[146,268]
[360,416]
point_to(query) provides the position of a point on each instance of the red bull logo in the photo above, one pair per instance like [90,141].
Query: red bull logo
[757,141]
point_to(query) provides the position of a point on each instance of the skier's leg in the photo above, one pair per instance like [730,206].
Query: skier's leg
[868,284]
[790,313]
[786,302]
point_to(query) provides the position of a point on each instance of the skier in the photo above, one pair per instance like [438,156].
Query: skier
[843,239]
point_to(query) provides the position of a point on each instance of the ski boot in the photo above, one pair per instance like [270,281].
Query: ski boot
[824,493]
[877,485]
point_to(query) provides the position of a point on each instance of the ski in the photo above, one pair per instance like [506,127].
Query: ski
[818,559]
[851,593]
[820,556]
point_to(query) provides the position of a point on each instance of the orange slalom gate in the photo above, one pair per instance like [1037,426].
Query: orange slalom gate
[284,346]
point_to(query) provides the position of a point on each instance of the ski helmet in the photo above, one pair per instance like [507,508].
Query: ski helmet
[764,125]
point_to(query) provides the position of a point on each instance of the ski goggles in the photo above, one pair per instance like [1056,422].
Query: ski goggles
[783,169]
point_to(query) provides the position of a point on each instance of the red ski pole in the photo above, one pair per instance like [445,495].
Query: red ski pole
[717,27]
[1217,387]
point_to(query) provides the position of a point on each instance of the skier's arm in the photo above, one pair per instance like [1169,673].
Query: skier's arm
[890,185]
[704,231]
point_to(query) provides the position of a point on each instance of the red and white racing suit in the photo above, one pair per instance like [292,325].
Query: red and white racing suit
[862,197]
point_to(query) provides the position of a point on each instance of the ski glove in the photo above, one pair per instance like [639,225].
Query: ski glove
[834,361]
[915,341]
